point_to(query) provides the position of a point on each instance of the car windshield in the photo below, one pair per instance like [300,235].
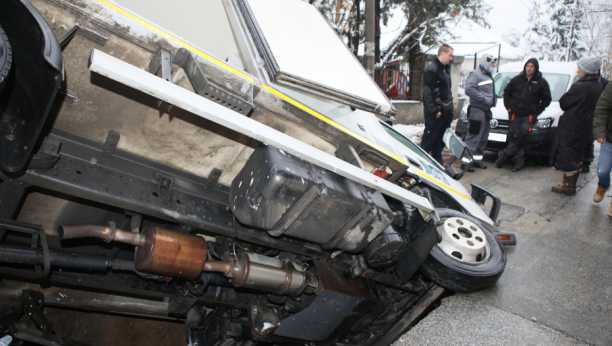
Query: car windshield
[408,143]
[556,81]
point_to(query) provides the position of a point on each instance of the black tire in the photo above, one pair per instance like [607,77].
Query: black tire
[457,276]
[6,58]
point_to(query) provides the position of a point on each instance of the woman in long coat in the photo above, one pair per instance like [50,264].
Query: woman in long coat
[576,123]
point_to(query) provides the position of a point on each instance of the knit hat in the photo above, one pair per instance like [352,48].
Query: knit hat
[590,64]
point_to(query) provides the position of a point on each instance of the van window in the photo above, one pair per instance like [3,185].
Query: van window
[408,143]
[501,81]
[557,82]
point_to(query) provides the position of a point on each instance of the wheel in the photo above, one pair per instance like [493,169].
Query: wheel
[6,57]
[467,258]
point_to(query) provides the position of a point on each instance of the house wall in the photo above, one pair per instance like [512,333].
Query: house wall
[411,112]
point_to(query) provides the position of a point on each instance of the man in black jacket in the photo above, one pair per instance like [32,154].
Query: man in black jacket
[525,97]
[437,102]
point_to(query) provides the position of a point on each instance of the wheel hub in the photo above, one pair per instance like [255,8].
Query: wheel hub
[463,240]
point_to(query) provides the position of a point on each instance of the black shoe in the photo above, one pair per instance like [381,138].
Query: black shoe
[480,165]
[586,167]
[518,166]
[463,167]
[501,157]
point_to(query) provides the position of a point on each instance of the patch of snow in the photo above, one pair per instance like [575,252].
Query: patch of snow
[415,132]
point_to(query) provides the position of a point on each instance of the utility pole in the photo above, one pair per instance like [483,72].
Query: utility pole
[338,8]
[376,32]
[571,40]
[370,31]
[357,37]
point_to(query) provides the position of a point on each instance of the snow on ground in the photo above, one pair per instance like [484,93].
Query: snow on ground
[415,132]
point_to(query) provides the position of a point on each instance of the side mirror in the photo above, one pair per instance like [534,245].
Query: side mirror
[460,150]
[456,145]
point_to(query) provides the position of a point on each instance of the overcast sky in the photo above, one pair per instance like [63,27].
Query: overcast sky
[508,14]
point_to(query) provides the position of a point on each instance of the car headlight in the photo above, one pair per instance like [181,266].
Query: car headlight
[463,116]
[544,123]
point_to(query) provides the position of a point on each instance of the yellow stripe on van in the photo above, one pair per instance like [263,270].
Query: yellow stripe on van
[333,123]
[173,39]
[443,185]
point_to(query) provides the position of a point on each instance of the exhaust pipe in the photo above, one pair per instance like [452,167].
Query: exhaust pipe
[106,233]
[166,252]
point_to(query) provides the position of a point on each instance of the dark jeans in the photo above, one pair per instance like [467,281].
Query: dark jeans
[517,131]
[434,131]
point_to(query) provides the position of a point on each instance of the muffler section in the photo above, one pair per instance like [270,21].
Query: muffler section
[158,250]
[170,253]
[270,274]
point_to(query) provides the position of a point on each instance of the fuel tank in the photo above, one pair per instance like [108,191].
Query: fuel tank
[283,194]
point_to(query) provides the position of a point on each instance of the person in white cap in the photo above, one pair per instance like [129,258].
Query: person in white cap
[480,87]
[576,124]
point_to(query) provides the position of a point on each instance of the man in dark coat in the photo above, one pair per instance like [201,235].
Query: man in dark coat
[576,124]
[525,97]
[437,102]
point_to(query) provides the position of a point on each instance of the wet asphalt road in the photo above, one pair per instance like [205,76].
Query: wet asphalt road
[557,286]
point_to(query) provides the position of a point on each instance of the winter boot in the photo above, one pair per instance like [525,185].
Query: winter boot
[600,193]
[469,169]
[568,187]
[501,157]
[480,165]
[518,166]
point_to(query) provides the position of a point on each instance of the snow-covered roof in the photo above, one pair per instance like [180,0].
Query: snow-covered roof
[395,25]
[467,37]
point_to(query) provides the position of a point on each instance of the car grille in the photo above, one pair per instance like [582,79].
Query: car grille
[503,124]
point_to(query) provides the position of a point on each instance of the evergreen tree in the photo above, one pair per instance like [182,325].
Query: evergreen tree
[536,43]
[512,37]
[555,28]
